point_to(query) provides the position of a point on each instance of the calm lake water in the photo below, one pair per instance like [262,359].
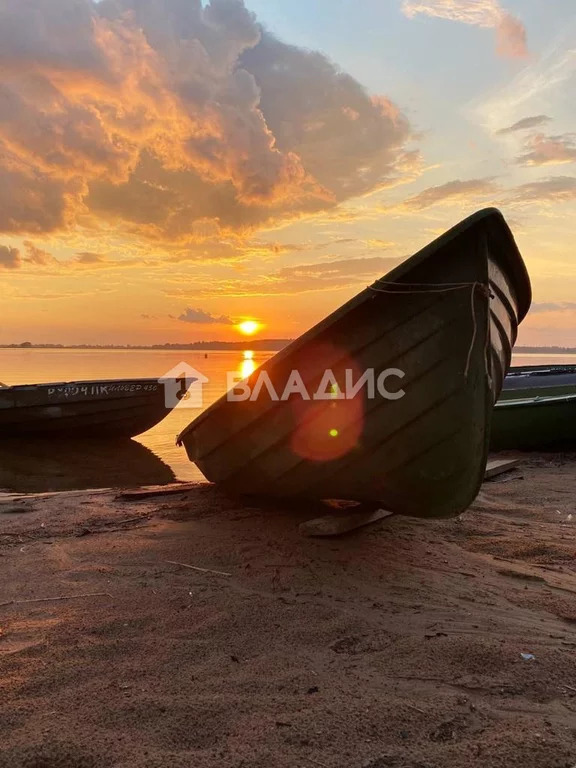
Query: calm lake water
[154,457]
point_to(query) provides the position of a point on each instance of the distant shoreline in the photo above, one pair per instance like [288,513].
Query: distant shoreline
[545,350]
[257,345]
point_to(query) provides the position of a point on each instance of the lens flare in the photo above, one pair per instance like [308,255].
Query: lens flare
[328,429]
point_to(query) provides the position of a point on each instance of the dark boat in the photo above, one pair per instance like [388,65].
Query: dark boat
[82,409]
[536,410]
[437,333]
[539,380]
[536,423]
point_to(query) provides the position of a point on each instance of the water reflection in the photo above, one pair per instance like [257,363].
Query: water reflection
[248,364]
[37,466]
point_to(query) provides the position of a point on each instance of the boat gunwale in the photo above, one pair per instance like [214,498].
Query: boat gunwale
[533,371]
[83,383]
[537,400]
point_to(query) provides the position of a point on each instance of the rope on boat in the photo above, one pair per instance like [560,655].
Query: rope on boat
[444,288]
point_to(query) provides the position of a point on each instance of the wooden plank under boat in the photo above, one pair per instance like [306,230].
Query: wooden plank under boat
[537,423]
[539,380]
[447,318]
[117,408]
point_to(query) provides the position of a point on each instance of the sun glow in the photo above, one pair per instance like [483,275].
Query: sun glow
[249,327]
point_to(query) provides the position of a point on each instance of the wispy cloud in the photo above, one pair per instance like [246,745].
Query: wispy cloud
[549,150]
[556,189]
[304,278]
[510,32]
[545,81]
[379,244]
[450,193]
[89,257]
[553,306]
[337,267]
[525,123]
[56,296]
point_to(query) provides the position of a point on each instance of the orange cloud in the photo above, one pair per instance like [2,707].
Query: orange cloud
[549,150]
[556,189]
[9,257]
[175,122]
[510,32]
[37,256]
[511,37]
[14,258]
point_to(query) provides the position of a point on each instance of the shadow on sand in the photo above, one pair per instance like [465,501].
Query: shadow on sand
[38,466]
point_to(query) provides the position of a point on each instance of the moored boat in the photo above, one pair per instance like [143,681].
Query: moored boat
[539,380]
[117,408]
[389,399]
[536,423]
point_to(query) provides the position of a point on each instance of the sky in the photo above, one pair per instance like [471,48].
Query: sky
[171,168]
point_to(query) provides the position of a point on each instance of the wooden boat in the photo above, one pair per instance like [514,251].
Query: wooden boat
[446,321]
[536,410]
[537,423]
[82,409]
[539,380]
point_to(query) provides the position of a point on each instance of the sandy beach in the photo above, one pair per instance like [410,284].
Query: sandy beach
[398,646]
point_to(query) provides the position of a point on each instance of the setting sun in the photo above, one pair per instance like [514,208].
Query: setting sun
[249,327]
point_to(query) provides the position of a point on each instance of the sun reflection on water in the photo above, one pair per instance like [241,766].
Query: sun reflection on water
[248,365]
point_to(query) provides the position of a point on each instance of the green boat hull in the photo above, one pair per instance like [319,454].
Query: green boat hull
[447,319]
[542,423]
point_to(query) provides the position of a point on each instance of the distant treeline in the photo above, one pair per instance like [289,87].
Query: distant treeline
[262,345]
[258,345]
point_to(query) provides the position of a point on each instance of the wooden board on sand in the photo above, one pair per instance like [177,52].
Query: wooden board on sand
[157,490]
[499,466]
